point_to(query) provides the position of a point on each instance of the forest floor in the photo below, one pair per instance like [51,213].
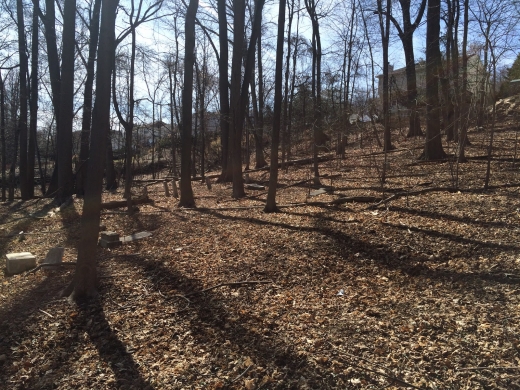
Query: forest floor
[421,291]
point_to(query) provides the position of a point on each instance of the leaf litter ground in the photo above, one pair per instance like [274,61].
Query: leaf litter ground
[418,292]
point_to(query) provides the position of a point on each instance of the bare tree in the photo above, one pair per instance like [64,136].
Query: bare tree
[270,205]
[93,26]
[405,33]
[384,26]
[84,284]
[23,118]
[433,146]
[186,197]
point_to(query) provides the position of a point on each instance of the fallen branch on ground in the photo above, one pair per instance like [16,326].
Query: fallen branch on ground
[230,284]
[69,263]
[123,203]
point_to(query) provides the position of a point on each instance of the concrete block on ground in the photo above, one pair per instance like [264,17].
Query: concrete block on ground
[109,239]
[20,262]
[109,236]
[54,256]
[135,236]
[253,186]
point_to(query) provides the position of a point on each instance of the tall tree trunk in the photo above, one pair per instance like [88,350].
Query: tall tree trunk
[433,146]
[286,83]
[111,179]
[464,95]
[22,119]
[224,91]
[414,128]
[64,145]
[259,128]
[186,197]
[270,205]
[240,88]
[33,125]
[172,117]
[293,81]
[2,137]
[87,99]
[84,284]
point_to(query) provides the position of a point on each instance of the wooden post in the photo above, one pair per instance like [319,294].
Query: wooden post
[174,187]
[166,190]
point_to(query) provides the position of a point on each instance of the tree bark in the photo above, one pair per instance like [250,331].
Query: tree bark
[186,197]
[22,119]
[87,99]
[464,110]
[33,105]
[84,284]
[2,137]
[239,87]
[259,128]
[270,205]
[64,144]
[433,146]
[224,91]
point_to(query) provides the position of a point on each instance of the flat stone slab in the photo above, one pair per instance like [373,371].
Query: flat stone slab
[321,191]
[109,236]
[135,236]
[54,256]
[109,244]
[17,263]
[253,186]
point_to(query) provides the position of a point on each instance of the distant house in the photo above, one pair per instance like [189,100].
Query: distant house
[398,85]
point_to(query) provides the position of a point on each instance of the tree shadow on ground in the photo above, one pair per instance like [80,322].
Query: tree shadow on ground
[408,262]
[442,216]
[213,318]
[85,319]
[15,316]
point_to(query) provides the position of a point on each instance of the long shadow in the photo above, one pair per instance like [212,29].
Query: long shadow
[449,217]
[455,238]
[92,320]
[14,317]
[212,316]
[409,263]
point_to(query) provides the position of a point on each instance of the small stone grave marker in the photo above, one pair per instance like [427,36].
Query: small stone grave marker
[55,257]
[17,263]
[109,239]
[135,236]
[254,186]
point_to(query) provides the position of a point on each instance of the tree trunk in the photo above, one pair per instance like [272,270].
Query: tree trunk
[22,119]
[414,128]
[111,180]
[64,145]
[33,108]
[464,110]
[259,130]
[2,137]
[270,205]
[240,88]
[186,196]
[224,90]
[433,146]
[87,100]
[84,284]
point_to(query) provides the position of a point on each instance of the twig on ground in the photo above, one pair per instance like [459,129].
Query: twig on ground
[488,368]
[47,314]
[241,375]
[402,382]
[71,263]
[230,284]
